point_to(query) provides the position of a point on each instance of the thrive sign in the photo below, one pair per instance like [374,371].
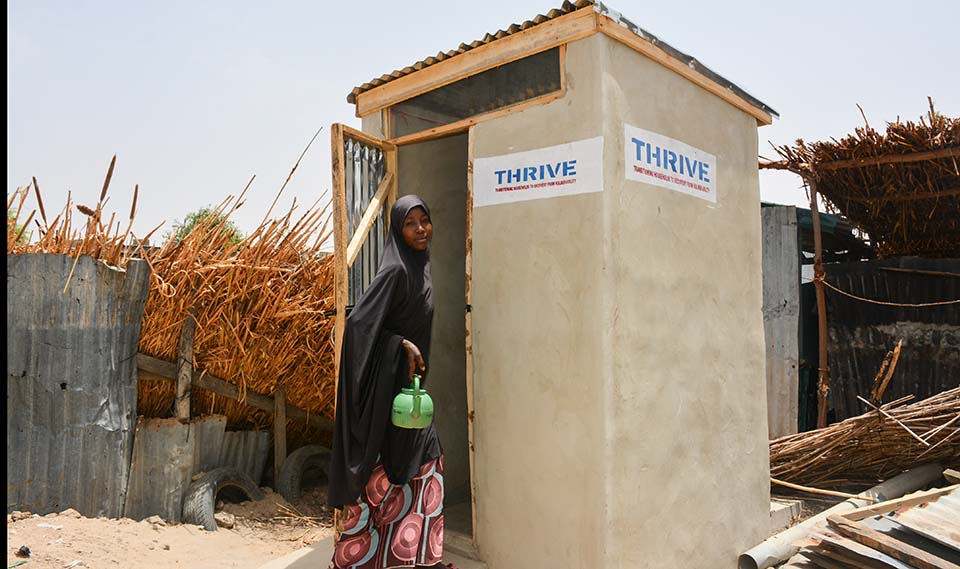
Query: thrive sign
[554,171]
[655,159]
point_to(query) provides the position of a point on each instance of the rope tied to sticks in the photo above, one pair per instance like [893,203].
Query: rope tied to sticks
[822,280]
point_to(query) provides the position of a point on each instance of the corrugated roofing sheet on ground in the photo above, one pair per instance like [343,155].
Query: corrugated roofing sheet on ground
[71,382]
[938,520]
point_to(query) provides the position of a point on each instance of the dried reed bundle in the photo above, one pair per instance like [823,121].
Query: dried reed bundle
[263,306]
[907,208]
[873,446]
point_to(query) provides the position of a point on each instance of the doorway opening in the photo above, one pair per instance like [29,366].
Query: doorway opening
[436,170]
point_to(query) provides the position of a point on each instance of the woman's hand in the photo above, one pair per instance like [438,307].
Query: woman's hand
[414,359]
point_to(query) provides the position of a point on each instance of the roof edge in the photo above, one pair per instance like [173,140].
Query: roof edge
[569,23]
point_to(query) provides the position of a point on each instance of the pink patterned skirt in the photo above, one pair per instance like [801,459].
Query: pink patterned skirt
[394,526]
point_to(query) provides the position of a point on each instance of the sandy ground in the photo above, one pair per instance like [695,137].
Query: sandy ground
[262,531]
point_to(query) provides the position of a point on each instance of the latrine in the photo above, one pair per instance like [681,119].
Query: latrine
[598,348]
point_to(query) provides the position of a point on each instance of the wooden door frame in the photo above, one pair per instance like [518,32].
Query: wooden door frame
[337,133]
[468,337]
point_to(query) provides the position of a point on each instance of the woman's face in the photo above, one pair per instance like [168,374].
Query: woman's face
[417,229]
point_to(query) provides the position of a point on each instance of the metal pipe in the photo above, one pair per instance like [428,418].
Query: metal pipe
[823,375]
[779,548]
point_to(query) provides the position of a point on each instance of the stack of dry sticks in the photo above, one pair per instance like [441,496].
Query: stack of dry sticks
[881,443]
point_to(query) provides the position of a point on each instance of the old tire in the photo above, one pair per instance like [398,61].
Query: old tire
[201,496]
[299,463]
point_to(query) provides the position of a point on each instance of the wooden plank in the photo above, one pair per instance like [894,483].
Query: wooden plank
[548,35]
[185,365]
[829,559]
[645,47]
[781,317]
[951,475]
[369,217]
[865,556]
[168,371]
[890,159]
[468,338]
[892,505]
[339,246]
[465,124]
[364,137]
[279,431]
[886,544]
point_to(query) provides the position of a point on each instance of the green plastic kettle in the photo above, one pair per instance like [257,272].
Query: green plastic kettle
[412,407]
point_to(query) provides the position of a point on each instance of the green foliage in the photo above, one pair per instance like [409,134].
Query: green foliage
[12,221]
[206,217]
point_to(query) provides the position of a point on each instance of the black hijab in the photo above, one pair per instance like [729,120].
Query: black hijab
[398,304]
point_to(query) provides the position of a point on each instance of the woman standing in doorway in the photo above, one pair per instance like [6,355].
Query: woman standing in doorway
[388,481]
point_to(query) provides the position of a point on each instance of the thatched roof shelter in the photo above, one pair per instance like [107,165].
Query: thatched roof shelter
[902,186]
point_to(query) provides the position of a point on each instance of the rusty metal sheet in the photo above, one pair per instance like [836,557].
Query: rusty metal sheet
[166,455]
[71,381]
[247,451]
[161,469]
[938,520]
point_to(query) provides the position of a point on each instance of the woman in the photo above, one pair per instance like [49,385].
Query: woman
[388,481]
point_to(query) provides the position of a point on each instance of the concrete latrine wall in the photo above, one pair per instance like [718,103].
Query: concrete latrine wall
[687,419]
[618,337]
[540,346]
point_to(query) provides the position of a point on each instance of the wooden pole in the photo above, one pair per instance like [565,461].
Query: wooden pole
[185,365]
[279,432]
[155,369]
[823,375]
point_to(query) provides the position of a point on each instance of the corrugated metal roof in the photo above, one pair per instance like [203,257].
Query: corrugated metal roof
[566,8]
[71,382]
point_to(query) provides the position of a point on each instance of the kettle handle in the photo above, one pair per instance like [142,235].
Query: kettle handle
[416,396]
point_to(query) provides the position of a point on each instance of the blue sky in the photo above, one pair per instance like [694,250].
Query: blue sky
[196,97]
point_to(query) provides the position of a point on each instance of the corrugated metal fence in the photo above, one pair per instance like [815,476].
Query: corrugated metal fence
[71,381]
[364,168]
[861,333]
[73,440]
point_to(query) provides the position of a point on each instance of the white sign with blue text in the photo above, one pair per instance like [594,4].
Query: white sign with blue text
[563,170]
[656,159]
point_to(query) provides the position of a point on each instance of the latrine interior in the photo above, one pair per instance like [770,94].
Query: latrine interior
[437,172]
